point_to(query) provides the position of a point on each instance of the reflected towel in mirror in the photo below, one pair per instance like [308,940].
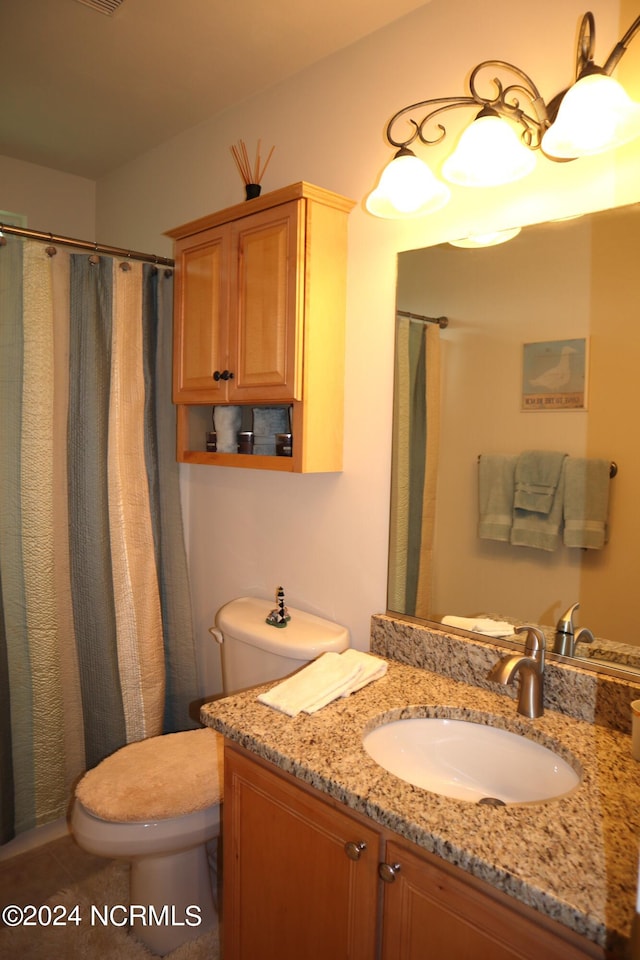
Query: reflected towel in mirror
[539,530]
[586,502]
[496,479]
[537,476]
[490,628]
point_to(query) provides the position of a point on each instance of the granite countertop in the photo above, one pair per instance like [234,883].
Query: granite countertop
[574,858]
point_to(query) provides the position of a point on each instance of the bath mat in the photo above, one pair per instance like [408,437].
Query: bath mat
[108,887]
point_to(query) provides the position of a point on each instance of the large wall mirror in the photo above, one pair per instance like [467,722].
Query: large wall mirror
[463,392]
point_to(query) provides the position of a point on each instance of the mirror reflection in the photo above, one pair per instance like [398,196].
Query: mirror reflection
[541,353]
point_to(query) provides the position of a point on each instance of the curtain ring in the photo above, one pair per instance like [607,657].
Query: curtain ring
[124,266]
[50,251]
[93,259]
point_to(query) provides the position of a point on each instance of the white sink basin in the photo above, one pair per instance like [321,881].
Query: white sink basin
[470,761]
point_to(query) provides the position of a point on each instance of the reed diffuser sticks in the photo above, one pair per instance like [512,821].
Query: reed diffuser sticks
[241,157]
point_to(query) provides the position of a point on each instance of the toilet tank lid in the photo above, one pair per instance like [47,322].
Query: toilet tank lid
[304,638]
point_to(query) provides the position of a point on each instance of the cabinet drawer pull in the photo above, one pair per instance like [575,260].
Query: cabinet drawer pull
[388,871]
[354,850]
[225,375]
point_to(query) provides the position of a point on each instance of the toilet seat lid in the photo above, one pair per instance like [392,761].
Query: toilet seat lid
[156,779]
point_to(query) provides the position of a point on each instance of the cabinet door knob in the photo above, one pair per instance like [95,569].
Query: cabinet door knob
[354,850]
[388,871]
[225,375]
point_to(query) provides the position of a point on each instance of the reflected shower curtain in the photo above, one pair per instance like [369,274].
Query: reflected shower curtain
[96,639]
[414,465]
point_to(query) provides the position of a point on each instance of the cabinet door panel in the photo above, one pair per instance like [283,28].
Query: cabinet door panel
[199,347]
[291,892]
[430,914]
[263,335]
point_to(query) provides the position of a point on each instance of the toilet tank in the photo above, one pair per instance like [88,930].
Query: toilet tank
[254,652]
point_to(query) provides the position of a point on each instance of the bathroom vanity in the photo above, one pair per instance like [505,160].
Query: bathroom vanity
[327,854]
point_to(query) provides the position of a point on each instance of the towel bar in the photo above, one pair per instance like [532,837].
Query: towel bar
[613,467]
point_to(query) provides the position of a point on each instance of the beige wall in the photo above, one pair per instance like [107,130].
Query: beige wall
[609,578]
[325,537]
[52,202]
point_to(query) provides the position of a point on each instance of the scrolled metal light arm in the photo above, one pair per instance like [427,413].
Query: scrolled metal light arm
[506,99]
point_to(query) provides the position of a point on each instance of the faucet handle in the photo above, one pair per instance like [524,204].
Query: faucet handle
[565,623]
[584,635]
[535,644]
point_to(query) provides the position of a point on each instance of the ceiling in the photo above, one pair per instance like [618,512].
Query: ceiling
[84,92]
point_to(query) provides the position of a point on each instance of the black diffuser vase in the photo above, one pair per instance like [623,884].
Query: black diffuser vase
[252,190]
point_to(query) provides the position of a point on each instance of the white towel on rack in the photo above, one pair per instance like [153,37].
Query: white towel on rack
[331,676]
[490,628]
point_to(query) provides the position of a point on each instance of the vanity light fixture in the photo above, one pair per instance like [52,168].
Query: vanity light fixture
[475,240]
[593,115]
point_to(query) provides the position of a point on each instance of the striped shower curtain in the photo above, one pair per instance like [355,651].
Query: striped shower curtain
[96,639]
[416,439]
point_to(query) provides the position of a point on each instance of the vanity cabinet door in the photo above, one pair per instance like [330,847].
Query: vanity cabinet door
[430,913]
[300,876]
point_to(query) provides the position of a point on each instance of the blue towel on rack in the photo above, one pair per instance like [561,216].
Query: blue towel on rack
[539,530]
[586,502]
[495,496]
[536,479]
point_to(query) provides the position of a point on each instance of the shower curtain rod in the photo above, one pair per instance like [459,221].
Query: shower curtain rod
[441,321]
[84,245]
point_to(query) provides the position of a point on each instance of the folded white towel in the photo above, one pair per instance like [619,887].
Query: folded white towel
[484,625]
[331,676]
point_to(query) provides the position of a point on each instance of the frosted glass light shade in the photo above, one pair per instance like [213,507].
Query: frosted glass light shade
[486,239]
[407,189]
[596,114]
[489,153]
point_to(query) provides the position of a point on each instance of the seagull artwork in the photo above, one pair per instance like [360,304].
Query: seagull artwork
[557,377]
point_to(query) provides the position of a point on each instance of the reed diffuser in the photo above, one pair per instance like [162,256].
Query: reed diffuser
[251,177]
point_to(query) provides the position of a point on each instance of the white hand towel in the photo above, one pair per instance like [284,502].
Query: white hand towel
[484,625]
[331,676]
[369,669]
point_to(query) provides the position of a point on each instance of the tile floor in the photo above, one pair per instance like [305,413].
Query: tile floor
[34,876]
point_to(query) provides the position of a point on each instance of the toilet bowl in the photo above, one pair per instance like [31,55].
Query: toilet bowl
[157,802]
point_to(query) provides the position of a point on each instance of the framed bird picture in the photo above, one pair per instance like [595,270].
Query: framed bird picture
[554,375]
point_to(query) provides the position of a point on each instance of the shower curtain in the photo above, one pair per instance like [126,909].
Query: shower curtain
[416,439]
[96,638]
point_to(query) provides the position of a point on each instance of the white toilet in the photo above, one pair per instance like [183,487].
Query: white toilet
[157,802]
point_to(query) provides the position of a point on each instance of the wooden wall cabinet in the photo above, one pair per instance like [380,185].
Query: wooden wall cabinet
[259,320]
[304,877]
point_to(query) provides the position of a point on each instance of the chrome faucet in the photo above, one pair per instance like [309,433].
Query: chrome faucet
[531,670]
[566,636]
